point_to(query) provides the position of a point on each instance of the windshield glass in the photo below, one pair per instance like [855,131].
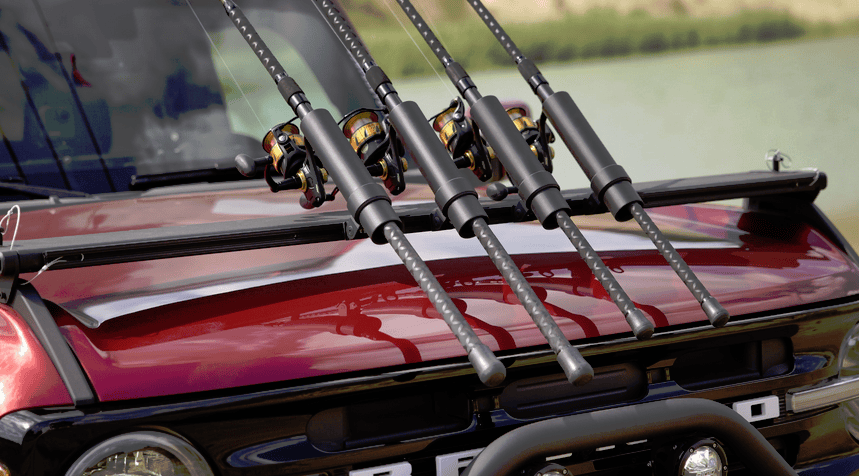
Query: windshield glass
[96,92]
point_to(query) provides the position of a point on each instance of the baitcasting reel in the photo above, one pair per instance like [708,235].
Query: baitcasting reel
[461,137]
[377,145]
[291,158]
[538,136]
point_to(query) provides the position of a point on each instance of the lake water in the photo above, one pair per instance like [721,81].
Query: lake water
[717,111]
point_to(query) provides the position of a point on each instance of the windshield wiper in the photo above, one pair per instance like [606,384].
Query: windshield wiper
[35,191]
[146,182]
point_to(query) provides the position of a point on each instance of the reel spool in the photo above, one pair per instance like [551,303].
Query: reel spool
[461,137]
[378,148]
[291,158]
[537,136]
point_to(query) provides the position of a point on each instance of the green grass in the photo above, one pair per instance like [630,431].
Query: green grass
[597,34]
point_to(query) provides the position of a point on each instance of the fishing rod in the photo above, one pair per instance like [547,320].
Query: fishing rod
[609,181]
[536,186]
[455,197]
[366,200]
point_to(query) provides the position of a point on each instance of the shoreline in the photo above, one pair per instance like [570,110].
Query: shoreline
[595,36]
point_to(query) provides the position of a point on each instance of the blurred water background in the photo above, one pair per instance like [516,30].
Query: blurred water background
[709,112]
[716,106]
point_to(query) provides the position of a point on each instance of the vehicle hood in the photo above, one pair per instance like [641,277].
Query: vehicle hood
[254,317]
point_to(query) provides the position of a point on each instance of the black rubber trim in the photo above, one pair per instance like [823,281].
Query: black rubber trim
[455,72]
[287,87]
[376,77]
[510,453]
[30,306]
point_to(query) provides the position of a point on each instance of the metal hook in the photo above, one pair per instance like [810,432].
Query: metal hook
[8,218]
[775,158]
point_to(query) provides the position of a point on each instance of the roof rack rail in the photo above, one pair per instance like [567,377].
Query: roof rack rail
[29,256]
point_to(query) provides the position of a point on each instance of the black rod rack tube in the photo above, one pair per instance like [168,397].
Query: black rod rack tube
[367,201]
[456,199]
[537,188]
[609,181]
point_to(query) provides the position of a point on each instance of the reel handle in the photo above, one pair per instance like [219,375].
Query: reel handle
[498,191]
[250,167]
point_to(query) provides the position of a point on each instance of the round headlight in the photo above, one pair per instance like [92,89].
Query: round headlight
[547,469]
[848,360]
[704,460]
[141,453]
[848,357]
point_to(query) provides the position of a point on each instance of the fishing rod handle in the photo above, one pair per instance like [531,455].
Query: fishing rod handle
[641,327]
[366,200]
[717,314]
[576,368]
[454,196]
[609,181]
[489,369]
[537,187]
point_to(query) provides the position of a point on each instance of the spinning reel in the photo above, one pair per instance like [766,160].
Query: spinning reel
[377,145]
[538,136]
[461,137]
[293,159]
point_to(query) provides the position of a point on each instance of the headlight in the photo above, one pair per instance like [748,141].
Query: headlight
[704,458]
[691,457]
[141,453]
[848,359]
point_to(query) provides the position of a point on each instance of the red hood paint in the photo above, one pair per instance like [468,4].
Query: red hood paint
[245,318]
[28,379]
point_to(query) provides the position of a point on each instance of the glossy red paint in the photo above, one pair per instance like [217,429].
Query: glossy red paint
[158,208]
[28,379]
[334,321]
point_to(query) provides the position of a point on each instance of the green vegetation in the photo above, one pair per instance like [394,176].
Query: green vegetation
[597,34]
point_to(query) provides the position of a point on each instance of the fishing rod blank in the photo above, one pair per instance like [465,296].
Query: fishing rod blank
[455,197]
[609,181]
[537,187]
[366,199]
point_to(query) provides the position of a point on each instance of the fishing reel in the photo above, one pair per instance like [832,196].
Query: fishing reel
[293,160]
[377,144]
[538,136]
[461,137]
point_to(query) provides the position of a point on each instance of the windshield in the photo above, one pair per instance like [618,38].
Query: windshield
[96,92]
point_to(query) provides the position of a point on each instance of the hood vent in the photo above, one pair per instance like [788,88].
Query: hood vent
[553,395]
[731,364]
[389,420]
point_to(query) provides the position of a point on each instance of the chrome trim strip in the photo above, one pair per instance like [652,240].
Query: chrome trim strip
[830,393]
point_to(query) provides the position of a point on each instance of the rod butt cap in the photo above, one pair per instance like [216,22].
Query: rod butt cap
[576,368]
[717,314]
[641,327]
[490,370]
